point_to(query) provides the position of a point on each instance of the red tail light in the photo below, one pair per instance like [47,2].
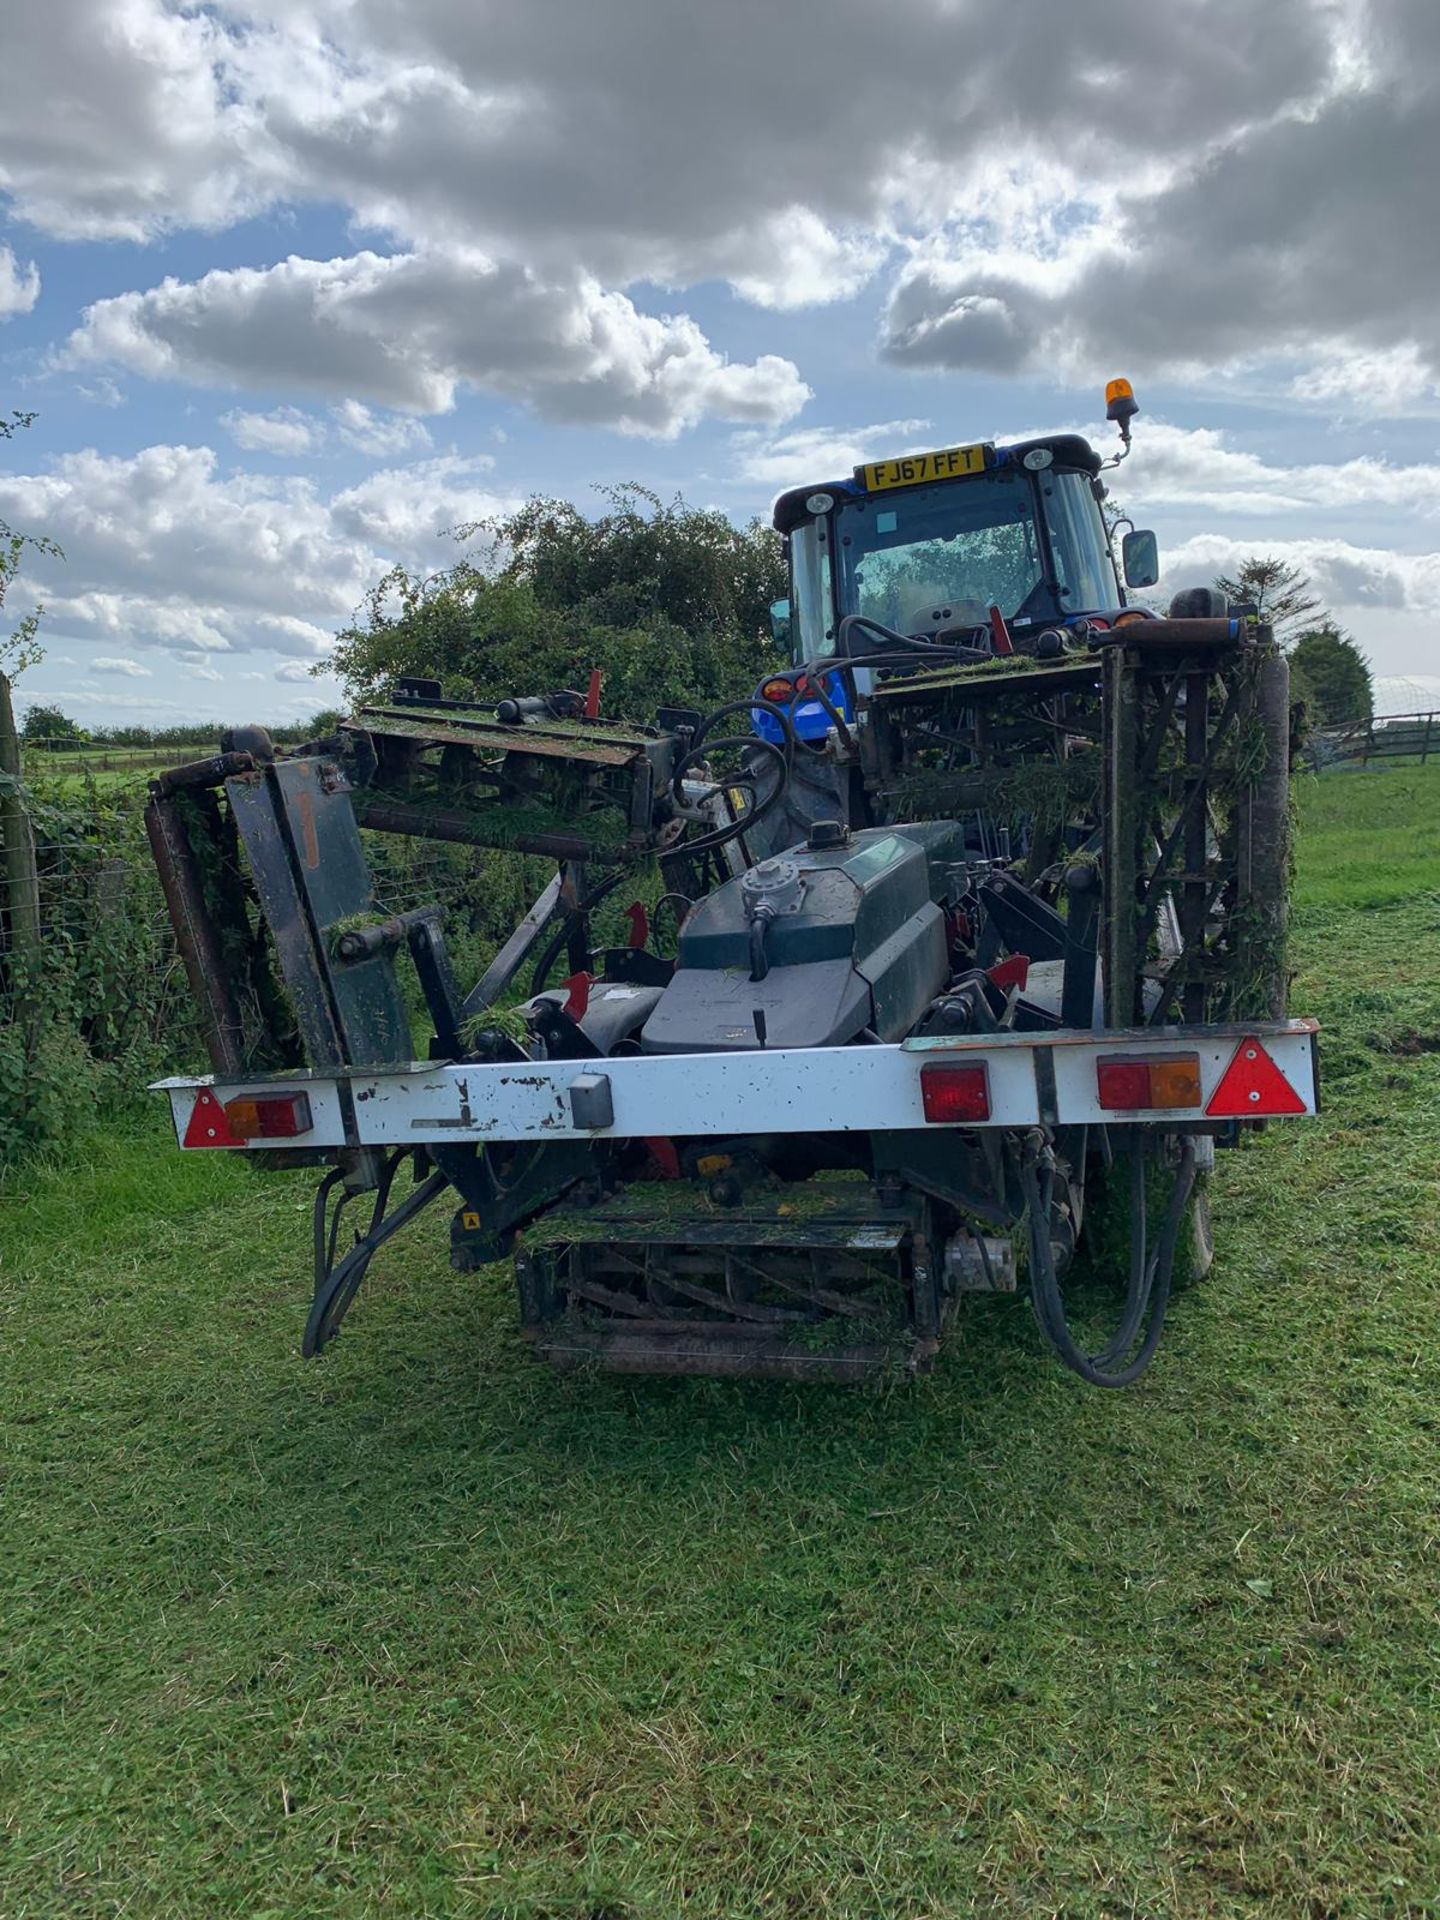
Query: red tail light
[1166,1080]
[269,1116]
[955,1094]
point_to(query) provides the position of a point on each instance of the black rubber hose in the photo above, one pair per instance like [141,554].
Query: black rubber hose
[558,939]
[1153,1288]
[1138,1286]
[777,713]
[1149,1289]
[908,642]
[680,904]
[703,744]
[814,674]
[933,658]
[720,836]
[759,959]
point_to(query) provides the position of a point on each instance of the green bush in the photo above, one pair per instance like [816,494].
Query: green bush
[107,1006]
[670,602]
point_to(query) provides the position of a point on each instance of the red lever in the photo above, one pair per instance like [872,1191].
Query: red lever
[1014,972]
[638,915]
[999,632]
[578,997]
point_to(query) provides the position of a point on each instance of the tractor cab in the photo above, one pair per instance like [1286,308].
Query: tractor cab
[965,551]
[930,546]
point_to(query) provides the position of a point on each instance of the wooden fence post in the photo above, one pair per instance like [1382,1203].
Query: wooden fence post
[19,875]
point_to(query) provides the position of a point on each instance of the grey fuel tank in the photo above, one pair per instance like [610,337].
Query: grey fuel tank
[821,942]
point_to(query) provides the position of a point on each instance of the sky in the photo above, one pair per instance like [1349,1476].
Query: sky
[295,290]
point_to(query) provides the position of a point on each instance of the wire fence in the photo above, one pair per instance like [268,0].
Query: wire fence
[1362,743]
[46,758]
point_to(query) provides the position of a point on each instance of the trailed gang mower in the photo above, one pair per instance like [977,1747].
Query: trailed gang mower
[981,916]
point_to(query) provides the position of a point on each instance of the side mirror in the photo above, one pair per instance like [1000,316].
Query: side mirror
[1140,553]
[780,623]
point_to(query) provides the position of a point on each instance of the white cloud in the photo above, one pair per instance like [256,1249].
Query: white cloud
[409,330]
[1390,381]
[380,434]
[163,549]
[285,431]
[794,260]
[289,431]
[1295,236]
[1389,600]
[123,118]
[19,286]
[820,453]
[101,392]
[1177,466]
[132,669]
[1235,185]
[784,149]
[1348,578]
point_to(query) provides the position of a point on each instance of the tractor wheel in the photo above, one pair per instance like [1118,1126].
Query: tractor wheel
[1200,1240]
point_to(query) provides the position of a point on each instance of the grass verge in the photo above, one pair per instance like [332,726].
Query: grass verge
[422,1629]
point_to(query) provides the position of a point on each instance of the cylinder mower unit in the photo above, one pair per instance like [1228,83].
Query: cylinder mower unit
[984,956]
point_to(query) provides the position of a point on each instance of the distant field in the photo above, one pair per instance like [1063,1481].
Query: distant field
[111,770]
[102,759]
[423,1630]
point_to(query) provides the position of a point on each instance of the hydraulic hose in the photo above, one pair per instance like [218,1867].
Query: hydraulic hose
[759,959]
[600,891]
[703,744]
[1150,1279]
[813,674]
[905,642]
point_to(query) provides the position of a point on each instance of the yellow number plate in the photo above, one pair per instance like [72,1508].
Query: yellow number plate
[951,463]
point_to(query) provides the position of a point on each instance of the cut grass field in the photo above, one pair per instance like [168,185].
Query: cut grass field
[422,1629]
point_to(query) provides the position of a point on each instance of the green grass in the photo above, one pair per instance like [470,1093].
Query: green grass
[422,1629]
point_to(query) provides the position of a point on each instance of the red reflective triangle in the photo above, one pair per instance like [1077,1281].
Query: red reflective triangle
[208,1126]
[1253,1087]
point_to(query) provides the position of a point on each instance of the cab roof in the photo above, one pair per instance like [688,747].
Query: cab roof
[1067,449]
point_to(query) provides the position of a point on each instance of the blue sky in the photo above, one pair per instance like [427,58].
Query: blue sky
[293,290]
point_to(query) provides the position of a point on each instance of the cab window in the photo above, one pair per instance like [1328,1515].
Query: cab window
[1083,567]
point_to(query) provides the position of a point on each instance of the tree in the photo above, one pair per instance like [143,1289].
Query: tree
[45,726]
[19,649]
[644,561]
[1279,593]
[1332,676]
[671,602]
